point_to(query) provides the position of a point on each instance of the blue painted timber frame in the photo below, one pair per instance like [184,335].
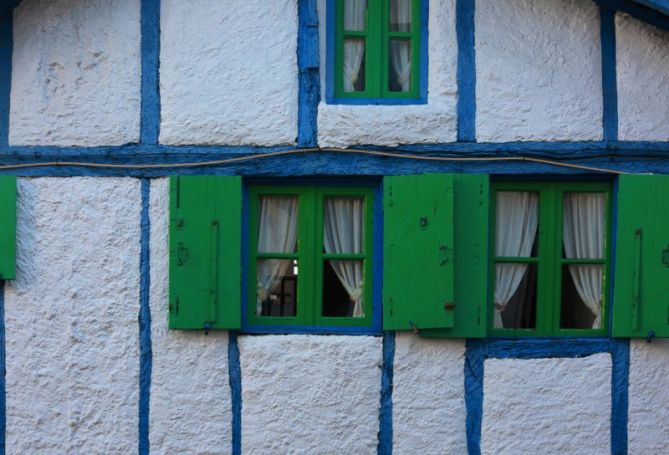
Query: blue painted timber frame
[330,97]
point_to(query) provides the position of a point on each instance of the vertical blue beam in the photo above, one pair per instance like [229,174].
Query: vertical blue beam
[309,90]
[385,446]
[145,352]
[474,358]
[235,378]
[620,356]
[609,83]
[466,75]
[6,44]
[150,92]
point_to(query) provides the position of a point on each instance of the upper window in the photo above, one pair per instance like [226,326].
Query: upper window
[550,258]
[310,256]
[377,47]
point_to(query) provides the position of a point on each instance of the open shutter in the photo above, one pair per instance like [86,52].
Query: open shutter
[418,269]
[471,220]
[641,288]
[7,227]
[205,252]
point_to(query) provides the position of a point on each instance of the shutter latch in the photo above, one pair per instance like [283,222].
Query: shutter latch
[449,306]
[182,254]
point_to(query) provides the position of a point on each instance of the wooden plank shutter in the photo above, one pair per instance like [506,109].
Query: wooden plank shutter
[471,220]
[7,227]
[641,277]
[418,268]
[205,252]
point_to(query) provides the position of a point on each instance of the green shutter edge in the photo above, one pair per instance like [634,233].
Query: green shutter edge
[205,252]
[7,227]
[641,288]
[458,309]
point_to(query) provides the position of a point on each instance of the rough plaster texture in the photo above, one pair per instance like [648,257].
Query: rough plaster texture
[428,396]
[190,407]
[648,424]
[71,318]
[76,73]
[547,406]
[306,394]
[643,80]
[341,125]
[228,72]
[538,70]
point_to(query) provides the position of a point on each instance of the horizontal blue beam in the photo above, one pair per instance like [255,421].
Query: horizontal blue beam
[653,12]
[541,348]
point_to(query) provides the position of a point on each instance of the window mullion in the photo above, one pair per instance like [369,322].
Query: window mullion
[317,257]
[546,290]
[376,46]
[556,259]
[305,263]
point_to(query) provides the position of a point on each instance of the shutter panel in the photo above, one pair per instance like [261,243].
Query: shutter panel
[7,227]
[205,252]
[471,218]
[641,286]
[418,268]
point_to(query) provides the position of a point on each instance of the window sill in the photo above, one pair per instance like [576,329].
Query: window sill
[377,101]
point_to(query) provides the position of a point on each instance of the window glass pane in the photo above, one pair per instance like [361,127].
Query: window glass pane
[516,221]
[277,224]
[583,225]
[515,296]
[276,288]
[354,65]
[400,15]
[355,15]
[344,225]
[399,66]
[582,296]
[343,289]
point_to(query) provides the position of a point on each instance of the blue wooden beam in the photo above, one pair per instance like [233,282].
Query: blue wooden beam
[655,15]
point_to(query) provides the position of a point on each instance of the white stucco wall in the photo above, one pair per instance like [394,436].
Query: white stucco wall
[648,419]
[190,405]
[547,406]
[71,318]
[228,72]
[305,394]
[342,125]
[538,70]
[643,80]
[429,396]
[76,73]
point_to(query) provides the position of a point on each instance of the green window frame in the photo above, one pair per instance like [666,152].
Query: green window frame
[7,227]
[377,38]
[549,258]
[310,256]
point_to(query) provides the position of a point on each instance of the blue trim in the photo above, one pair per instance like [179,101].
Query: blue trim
[330,97]
[659,5]
[150,105]
[609,82]
[309,92]
[235,380]
[145,350]
[620,357]
[385,446]
[6,45]
[542,348]
[474,369]
[466,76]
[651,15]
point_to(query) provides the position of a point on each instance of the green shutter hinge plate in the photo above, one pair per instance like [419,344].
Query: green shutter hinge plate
[665,256]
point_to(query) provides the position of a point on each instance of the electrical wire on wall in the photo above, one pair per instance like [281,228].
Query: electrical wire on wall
[314,150]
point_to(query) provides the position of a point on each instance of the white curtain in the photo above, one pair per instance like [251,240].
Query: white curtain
[516,226]
[344,233]
[400,50]
[277,233]
[355,12]
[583,236]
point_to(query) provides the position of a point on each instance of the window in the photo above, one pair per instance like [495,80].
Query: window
[377,50]
[550,258]
[310,256]
[7,227]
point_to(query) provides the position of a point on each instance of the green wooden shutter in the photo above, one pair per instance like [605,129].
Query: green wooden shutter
[471,219]
[7,227]
[205,252]
[641,287]
[418,267]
